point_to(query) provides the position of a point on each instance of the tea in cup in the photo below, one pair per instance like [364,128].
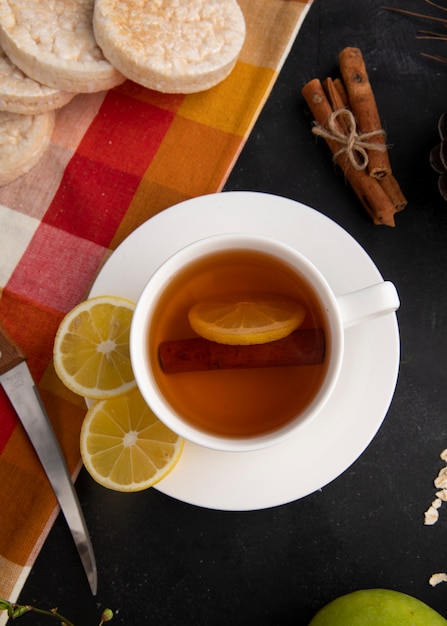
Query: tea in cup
[258,397]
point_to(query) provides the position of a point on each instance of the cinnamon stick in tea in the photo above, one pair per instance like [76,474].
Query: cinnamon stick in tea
[364,107]
[305,346]
[374,199]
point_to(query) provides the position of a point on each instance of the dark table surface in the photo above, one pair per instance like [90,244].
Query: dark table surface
[162,561]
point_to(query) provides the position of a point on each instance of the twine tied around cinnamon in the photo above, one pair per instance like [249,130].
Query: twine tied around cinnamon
[354,145]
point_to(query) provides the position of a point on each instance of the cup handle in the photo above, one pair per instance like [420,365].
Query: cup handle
[367,303]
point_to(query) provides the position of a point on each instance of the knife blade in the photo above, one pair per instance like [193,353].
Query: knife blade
[22,392]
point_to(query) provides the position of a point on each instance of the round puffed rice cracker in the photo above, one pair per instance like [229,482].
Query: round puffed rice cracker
[53,43]
[172,46]
[21,94]
[23,140]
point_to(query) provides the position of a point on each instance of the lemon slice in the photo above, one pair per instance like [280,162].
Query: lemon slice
[124,446]
[239,320]
[91,349]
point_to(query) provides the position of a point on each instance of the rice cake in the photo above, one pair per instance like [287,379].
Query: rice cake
[173,46]
[21,94]
[23,140]
[52,41]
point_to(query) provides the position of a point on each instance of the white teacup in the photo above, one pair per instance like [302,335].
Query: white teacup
[337,312]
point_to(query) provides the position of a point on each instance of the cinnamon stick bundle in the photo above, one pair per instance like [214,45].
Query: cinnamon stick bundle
[372,196]
[305,346]
[360,151]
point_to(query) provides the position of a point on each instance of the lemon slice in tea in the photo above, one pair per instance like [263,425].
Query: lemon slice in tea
[91,349]
[124,446]
[240,320]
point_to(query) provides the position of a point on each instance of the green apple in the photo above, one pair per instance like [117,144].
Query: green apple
[377,607]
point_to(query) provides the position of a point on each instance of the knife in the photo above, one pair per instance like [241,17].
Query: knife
[22,392]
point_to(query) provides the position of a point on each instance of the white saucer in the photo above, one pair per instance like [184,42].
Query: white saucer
[330,443]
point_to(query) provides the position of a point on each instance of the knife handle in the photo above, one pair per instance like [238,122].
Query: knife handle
[10,353]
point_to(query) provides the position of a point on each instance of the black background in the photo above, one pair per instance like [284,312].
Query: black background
[162,561]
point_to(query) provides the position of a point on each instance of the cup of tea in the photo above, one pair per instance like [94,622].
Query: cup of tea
[241,398]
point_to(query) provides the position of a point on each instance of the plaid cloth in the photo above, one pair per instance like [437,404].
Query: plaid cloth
[115,159]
